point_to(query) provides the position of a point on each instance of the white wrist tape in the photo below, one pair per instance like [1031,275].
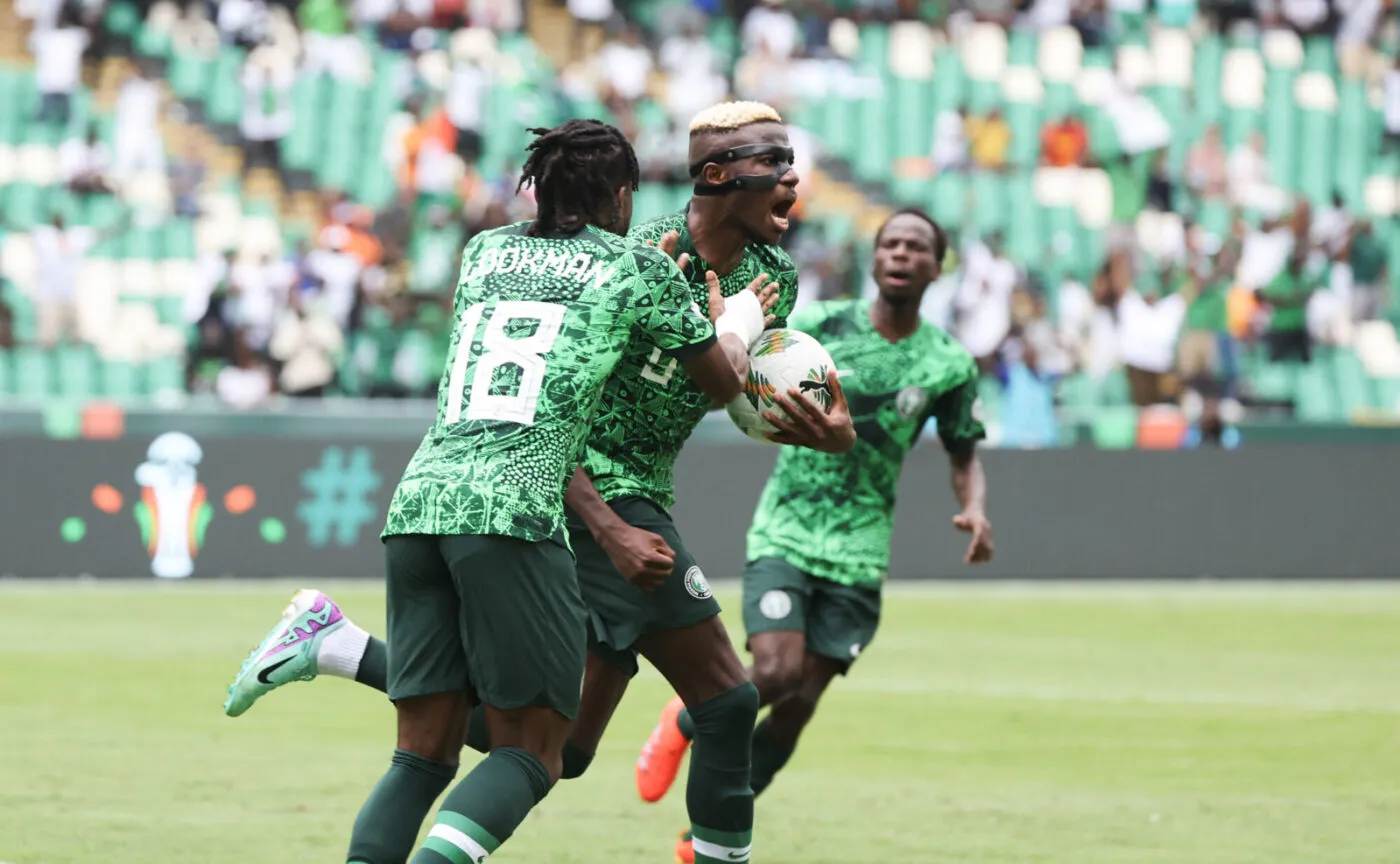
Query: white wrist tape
[743,317]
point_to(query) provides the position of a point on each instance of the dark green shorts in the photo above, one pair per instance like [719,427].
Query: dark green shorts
[496,616]
[839,620]
[618,612]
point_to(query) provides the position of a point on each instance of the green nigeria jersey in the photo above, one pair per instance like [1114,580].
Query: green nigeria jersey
[832,515]
[541,324]
[649,405]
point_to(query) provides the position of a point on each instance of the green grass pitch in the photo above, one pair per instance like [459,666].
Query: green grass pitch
[1071,724]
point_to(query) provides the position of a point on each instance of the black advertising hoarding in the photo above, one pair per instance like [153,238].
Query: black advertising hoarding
[173,506]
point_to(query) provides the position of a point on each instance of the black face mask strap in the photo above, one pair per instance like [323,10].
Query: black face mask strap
[744,182]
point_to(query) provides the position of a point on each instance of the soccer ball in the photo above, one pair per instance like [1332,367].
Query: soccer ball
[779,361]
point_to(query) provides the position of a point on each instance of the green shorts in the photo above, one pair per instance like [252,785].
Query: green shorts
[495,616]
[839,620]
[618,611]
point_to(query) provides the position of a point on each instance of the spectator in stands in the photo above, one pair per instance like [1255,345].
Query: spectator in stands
[1207,174]
[983,302]
[138,144]
[7,326]
[1287,296]
[772,28]
[1370,273]
[468,99]
[625,67]
[308,344]
[590,17]
[58,60]
[59,252]
[1148,325]
[1199,350]
[989,140]
[950,140]
[1355,27]
[246,382]
[1331,225]
[337,272]
[1028,403]
[43,14]
[213,305]
[262,288]
[1251,186]
[1390,105]
[267,110]
[1064,142]
[326,41]
[243,23]
[662,153]
[1161,188]
[84,164]
[187,177]
[692,66]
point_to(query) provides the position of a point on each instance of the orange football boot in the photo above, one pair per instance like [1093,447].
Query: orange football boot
[685,849]
[661,756]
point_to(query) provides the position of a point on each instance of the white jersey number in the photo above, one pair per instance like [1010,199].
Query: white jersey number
[658,371]
[499,349]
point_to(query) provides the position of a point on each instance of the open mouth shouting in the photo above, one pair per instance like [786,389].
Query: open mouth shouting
[778,216]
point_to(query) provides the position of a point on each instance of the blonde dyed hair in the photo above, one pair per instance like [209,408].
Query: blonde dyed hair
[728,116]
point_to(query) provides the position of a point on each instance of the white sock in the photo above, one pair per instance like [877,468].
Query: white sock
[341,652]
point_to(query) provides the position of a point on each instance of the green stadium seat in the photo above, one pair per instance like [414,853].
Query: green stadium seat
[7,375]
[33,373]
[120,380]
[77,376]
[1115,428]
[165,375]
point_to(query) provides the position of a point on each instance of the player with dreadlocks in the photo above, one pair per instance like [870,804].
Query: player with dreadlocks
[645,592]
[484,610]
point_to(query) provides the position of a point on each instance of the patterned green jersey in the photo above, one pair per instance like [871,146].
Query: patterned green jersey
[832,515]
[542,323]
[650,406]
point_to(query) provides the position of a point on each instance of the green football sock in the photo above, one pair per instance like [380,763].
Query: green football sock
[576,759]
[769,757]
[374,666]
[484,809]
[717,794]
[388,823]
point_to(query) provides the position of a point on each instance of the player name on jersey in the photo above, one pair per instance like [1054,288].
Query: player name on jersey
[560,263]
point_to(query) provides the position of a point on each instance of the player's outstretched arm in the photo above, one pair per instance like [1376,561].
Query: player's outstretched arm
[643,558]
[970,486]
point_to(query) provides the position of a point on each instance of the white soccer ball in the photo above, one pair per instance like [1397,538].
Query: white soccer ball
[781,360]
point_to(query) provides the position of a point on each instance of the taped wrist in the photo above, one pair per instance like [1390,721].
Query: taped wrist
[743,317]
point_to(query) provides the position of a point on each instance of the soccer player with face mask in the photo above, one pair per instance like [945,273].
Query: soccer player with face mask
[819,544]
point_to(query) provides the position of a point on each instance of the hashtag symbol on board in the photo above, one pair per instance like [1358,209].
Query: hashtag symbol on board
[338,499]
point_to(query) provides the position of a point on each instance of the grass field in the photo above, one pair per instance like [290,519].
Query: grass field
[1071,724]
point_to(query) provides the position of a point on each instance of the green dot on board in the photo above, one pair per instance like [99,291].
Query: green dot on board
[73,529]
[273,531]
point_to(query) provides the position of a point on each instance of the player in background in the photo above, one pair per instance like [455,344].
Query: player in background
[819,544]
[484,608]
[644,590]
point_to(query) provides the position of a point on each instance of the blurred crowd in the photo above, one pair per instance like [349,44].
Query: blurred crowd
[363,293]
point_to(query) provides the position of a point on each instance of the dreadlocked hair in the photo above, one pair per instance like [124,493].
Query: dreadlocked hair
[576,169]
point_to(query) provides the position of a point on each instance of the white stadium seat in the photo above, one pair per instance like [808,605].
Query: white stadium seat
[1055,187]
[1315,91]
[9,165]
[1093,84]
[1173,57]
[1242,79]
[1022,84]
[1381,195]
[1282,48]
[912,48]
[1094,200]
[1061,54]
[984,52]
[38,165]
[1134,64]
[17,261]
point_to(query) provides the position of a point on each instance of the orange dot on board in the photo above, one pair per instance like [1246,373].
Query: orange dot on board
[106,499]
[240,499]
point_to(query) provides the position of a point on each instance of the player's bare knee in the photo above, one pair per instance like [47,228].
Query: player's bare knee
[776,677]
[433,726]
